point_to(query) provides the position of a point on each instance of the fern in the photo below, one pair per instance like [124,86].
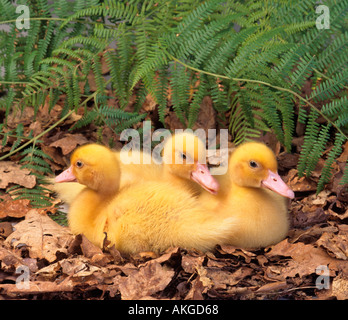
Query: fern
[312,131]
[333,154]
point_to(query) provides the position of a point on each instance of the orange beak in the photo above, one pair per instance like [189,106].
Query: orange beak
[66,176]
[275,183]
[203,177]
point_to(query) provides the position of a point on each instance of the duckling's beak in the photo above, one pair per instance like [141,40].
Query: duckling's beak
[275,183]
[66,176]
[203,177]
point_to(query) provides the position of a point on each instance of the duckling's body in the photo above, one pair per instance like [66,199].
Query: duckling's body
[261,217]
[151,216]
[163,216]
[87,215]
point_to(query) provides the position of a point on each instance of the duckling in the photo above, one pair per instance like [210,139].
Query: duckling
[151,216]
[97,171]
[183,165]
[184,158]
[256,197]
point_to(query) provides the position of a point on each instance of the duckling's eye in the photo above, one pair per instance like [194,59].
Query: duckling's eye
[183,155]
[79,164]
[253,164]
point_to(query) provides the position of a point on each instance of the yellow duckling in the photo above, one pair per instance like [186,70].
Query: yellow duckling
[184,158]
[255,197]
[151,216]
[96,169]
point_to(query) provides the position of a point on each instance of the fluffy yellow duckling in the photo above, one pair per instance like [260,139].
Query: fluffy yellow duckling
[183,166]
[256,197]
[151,216]
[96,168]
[184,158]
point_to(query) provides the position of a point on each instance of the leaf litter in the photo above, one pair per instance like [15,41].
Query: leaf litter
[66,266]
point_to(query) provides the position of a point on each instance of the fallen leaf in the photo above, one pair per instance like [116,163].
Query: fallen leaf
[298,184]
[196,291]
[14,208]
[25,117]
[335,244]
[9,260]
[5,229]
[69,142]
[12,173]
[37,287]
[149,104]
[44,237]
[344,155]
[305,259]
[273,286]
[148,280]
[340,287]
[191,264]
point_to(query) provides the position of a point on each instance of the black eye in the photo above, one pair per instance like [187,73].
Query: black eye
[253,164]
[183,155]
[79,164]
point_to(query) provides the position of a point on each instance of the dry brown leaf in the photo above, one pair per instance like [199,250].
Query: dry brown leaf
[17,116]
[196,291]
[149,104]
[302,184]
[148,280]
[220,279]
[9,260]
[43,237]
[336,245]
[38,287]
[5,229]
[340,287]
[14,208]
[344,155]
[191,264]
[12,173]
[305,259]
[272,286]
[69,142]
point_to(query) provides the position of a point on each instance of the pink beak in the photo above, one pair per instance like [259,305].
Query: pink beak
[66,176]
[204,178]
[275,183]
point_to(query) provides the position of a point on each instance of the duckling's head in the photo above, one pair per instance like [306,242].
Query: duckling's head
[184,156]
[253,164]
[94,166]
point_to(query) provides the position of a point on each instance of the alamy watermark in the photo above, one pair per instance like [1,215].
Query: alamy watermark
[23,280]
[323,21]
[23,21]
[323,281]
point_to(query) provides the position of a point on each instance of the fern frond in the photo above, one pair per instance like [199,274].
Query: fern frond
[328,88]
[196,102]
[333,154]
[109,8]
[311,133]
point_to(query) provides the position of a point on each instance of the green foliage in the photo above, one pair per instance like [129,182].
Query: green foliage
[252,58]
